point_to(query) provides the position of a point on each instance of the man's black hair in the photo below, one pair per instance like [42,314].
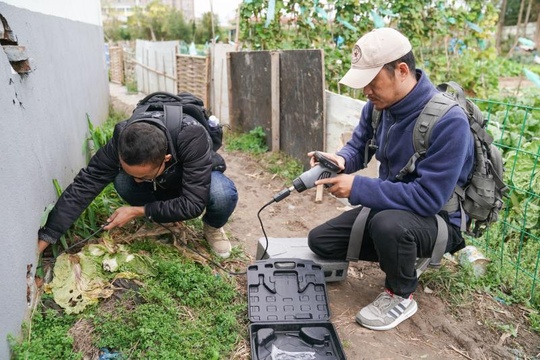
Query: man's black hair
[142,143]
[408,59]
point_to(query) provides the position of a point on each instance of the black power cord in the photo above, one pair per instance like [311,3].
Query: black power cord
[278,197]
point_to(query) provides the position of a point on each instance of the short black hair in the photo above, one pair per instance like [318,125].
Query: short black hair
[142,143]
[408,59]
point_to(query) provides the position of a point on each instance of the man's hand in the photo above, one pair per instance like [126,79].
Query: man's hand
[339,186]
[123,215]
[42,245]
[339,160]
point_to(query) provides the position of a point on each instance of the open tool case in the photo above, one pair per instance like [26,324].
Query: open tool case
[288,311]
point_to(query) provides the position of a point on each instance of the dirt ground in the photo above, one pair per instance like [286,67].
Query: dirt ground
[432,333]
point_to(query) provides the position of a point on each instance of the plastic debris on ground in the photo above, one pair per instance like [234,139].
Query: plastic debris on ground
[105,354]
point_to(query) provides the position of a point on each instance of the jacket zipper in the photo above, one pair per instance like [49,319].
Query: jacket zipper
[386,146]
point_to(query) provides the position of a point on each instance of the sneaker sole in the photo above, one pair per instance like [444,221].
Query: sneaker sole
[407,314]
[223,255]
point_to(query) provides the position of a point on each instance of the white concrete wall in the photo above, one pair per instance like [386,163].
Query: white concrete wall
[510,31]
[42,129]
[342,116]
[87,11]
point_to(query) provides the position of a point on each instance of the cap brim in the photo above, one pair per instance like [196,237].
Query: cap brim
[359,78]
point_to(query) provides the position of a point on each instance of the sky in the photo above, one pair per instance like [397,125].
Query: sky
[226,9]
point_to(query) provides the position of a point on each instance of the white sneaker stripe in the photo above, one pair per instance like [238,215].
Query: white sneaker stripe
[384,319]
[396,311]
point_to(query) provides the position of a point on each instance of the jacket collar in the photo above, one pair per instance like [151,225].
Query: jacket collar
[416,99]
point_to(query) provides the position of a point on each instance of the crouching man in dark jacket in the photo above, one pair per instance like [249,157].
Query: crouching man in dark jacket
[164,176]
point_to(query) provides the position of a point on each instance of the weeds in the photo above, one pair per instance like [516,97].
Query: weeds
[186,310]
[254,143]
[99,210]
[458,286]
[131,87]
[283,166]
[46,338]
[182,310]
[100,135]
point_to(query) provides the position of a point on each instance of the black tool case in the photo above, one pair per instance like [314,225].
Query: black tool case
[288,311]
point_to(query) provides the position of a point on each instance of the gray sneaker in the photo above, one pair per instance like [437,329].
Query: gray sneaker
[386,312]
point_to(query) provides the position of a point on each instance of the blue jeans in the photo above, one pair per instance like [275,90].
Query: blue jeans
[221,203]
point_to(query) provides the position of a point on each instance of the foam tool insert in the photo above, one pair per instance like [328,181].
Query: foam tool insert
[288,311]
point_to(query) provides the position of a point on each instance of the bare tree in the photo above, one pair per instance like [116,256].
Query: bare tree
[518,27]
[537,35]
[500,26]
[527,17]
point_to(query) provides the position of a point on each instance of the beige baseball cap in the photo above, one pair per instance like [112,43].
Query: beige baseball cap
[374,50]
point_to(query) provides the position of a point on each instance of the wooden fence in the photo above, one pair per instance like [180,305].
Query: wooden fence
[193,75]
[283,92]
[159,67]
[116,65]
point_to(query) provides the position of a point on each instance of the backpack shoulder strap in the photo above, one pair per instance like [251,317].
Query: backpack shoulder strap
[172,119]
[357,234]
[434,110]
[371,143]
[196,112]
[375,118]
[454,87]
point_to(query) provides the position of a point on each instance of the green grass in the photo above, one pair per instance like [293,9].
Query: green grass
[45,338]
[284,166]
[131,87]
[187,309]
[254,143]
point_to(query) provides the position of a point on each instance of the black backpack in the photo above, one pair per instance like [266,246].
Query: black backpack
[173,106]
[482,197]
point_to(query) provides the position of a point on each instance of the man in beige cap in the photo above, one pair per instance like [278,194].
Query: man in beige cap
[402,224]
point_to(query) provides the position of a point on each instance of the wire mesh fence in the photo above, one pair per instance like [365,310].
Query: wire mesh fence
[513,243]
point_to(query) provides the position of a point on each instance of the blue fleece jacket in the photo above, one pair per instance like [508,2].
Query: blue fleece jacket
[448,160]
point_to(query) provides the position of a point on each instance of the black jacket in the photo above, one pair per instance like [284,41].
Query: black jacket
[190,148]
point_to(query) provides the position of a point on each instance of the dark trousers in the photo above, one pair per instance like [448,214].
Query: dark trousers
[394,238]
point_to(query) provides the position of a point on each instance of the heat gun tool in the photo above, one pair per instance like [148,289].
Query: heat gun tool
[325,168]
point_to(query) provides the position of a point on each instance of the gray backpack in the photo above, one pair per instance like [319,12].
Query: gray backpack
[482,197]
